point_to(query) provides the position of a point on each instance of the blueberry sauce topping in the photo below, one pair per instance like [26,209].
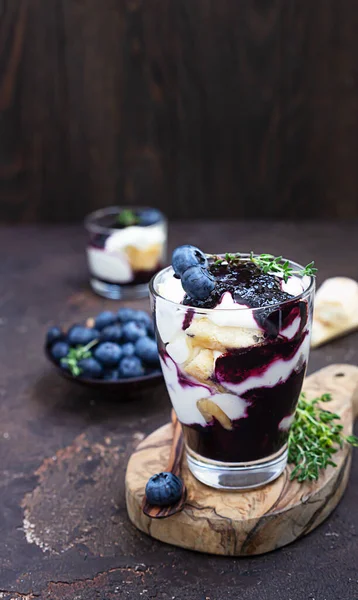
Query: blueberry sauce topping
[246,283]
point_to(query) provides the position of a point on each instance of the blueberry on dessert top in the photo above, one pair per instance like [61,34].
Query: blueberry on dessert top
[144,218]
[149,216]
[191,266]
[187,256]
[198,282]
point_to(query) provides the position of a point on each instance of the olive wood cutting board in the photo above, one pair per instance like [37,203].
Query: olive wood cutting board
[255,521]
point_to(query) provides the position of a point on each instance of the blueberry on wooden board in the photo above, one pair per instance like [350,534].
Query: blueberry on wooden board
[163,489]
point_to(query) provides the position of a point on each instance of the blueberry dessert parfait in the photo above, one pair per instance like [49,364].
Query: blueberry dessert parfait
[233,333]
[126,247]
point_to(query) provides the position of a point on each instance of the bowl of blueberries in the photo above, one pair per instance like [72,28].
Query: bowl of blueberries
[111,351]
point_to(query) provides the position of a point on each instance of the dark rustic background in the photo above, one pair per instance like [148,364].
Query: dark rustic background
[201,107]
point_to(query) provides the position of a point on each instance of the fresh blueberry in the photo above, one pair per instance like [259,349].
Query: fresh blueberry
[147,350]
[126,314]
[128,349]
[74,326]
[112,333]
[197,282]
[163,489]
[59,350]
[90,367]
[80,336]
[108,354]
[53,335]
[149,216]
[132,331]
[111,375]
[105,318]
[130,366]
[150,330]
[142,317]
[187,256]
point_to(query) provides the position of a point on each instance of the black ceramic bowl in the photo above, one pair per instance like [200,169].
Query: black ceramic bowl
[121,385]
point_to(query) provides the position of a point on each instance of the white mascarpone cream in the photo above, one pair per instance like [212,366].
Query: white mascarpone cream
[194,350]
[127,250]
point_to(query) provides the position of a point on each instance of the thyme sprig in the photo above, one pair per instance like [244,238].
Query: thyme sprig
[127,217]
[75,355]
[268,263]
[231,259]
[314,438]
[276,265]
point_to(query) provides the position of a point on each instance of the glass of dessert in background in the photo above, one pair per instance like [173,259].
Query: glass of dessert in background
[234,341]
[126,247]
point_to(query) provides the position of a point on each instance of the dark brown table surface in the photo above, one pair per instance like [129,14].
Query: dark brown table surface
[64,531]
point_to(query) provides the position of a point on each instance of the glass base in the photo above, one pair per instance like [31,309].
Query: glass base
[115,291]
[237,476]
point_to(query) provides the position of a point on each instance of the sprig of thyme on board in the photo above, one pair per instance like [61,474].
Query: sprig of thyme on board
[315,436]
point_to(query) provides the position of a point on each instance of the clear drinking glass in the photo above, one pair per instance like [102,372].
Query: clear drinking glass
[122,261]
[234,377]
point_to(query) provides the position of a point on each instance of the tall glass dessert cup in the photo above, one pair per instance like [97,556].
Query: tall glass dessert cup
[234,372]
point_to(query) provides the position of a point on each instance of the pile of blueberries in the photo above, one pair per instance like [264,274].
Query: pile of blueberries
[118,346]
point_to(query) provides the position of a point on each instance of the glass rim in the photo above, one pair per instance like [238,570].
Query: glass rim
[94,227]
[310,287]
